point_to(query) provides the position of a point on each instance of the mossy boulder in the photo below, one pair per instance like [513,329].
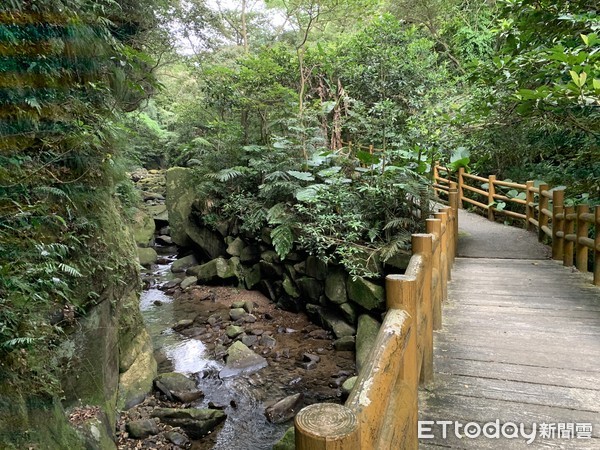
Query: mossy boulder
[210,242]
[335,286]
[180,197]
[366,335]
[147,256]
[196,423]
[365,293]
[219,268]
[143,228]
[288,441]
[135,382]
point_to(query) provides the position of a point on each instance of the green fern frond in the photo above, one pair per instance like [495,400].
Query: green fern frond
[226,174]
[283,240]
[69,270]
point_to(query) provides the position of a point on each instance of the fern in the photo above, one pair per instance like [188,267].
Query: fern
[278,214]
[69,270]
[227,174]
[283,240]
[395,246]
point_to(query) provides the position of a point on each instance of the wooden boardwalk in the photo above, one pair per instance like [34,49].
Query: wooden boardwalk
[520,343]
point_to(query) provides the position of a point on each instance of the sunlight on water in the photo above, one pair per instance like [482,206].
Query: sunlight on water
[189,357]
[150,296]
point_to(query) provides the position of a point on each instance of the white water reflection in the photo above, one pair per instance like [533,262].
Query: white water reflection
[149,298]
[190,357]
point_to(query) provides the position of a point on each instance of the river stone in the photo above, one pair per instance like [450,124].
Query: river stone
[188,281]
[180,196]
[345,343]
[210,242]
[288,441]
[241,360]
[159,212]
[147,256]
[143,228]
[212,270]
[366,294]
[184,263]
[252,276]
[141,429]
[164,240]
[267,341]
[289,288]
[177,387]
[348,312]
[235,247]
[285,409]
[176,438]
[366,336]
[316,268]
[310,289]
[249,340]
[348,385]
[233,331]
[335,286]
[270,256]
[196,423]
[182,324]
[237,313]
[248,306]
[399,261]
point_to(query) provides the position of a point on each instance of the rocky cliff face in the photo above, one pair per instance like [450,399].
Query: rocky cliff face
[104,359]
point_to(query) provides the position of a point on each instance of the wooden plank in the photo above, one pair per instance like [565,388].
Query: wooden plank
[566,377]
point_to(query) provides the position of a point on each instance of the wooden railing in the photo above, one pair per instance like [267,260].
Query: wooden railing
[381,412]
[573,231]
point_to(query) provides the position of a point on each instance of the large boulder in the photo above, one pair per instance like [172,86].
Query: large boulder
[180,197]
[219,268]
[147,256]
[368,328]
[365,293]
[196,423]
[316,268]
[177,387]
[138,368]
[182,264]
[159,212]
[143,228]
[310,288]
[210,242]
[330,320]
[141,429]
[241,360]
[288,441]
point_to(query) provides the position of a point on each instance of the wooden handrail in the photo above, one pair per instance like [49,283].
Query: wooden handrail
[545,211]
[381,412]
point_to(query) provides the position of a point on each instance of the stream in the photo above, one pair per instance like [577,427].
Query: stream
[246,426]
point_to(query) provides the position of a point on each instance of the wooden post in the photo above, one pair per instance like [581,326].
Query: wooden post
[461,182]
[597,248]
[453,200]
[402,293]
[434,227]
[448,241]
[422,244]
[582,232]
[542,218]
[558,197]
[491,199]
[327,426]
[569,228]
[443,256]
[436,173]
[529,208]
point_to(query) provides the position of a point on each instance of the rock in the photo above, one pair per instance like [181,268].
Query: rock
[348,385]
[319,334]
[310,289]
[241,360]
[210,242]
[233,331]
[267,341]
[366,294]
[366,336]
[348,313]
[248,306]
[143,228]
[180,196]
[330,320]
[399,261]
[170,284]
[270,256]
[288,441]
[250,318]
[289,287]
[177,439]
[182,324]
[316,268]
[138,369]
[184,263]
[239,304]
[252,276]
[188,281]
[219,268]
[310,357]
[249,341]
[308,365]
[166,230]
[237,313]
[141,429]
[236,247]
[270,270]
[300,268]
[265,235]
[345,343]
[177,387]
[164,240]
[196,423]
[285,409]
[335,286]
[159,212]
[250,254]
[147,256]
